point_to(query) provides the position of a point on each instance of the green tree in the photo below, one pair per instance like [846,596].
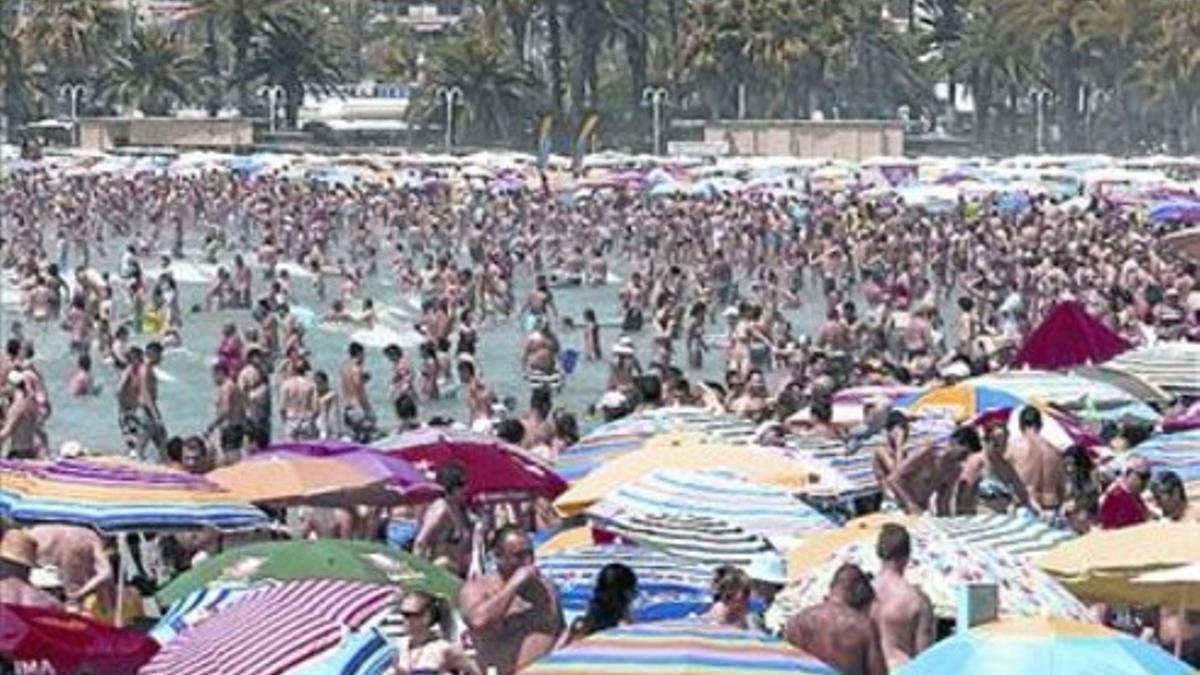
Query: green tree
[151,74]
[241,21]
[297,52]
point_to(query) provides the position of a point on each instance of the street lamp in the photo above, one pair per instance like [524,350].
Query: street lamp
[1039,97]
[452,95]
[272,92]
[73,92]
[655,97]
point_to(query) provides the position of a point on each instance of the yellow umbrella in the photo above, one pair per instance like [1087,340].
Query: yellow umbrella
[680,451]
[1102,566]
[292,480]
[814,550]
[569,539]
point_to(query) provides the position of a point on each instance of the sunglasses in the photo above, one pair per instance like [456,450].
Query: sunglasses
[413,613]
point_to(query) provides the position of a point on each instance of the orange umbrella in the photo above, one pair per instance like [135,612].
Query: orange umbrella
[285,480]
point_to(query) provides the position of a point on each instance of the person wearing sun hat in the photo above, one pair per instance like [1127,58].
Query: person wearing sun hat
[768,576]
[18,557]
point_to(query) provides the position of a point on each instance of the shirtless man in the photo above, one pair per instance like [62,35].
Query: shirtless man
[299,404]
[229,407]
[256,390]
[902,612]
[18,556]
[78,554]
[538,429]
[513,614]
[839,631]
[1039,464]
[156,433]
[20,432]
[357,412]
[929,472]
[540,357]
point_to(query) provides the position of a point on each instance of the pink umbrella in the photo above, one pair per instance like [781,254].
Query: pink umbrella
[402,481]
[495,469]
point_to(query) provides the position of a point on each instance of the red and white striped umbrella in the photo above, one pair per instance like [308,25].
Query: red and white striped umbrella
[274,630]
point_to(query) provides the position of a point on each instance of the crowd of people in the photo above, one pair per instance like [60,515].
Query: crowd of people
[900,296]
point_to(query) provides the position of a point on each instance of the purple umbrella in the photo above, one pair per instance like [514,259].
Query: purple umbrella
[399,477]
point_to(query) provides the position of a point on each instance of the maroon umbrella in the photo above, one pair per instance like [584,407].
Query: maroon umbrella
[40,640]
[402,481]
[495,469]
[1069,337]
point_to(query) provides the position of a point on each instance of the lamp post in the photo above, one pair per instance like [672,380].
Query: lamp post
[655,97]
[1039,97]
[73,92]
[272,92]
[452,95]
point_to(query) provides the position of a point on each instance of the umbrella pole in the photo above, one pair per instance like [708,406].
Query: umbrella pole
[118,613]
[1179,633]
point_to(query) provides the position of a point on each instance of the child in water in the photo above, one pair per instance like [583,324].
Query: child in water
[81,383]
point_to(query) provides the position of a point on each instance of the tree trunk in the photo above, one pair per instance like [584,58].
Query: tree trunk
[636,57]
[212,67]
[518,24]
[293,98]
[241,49]
[673,41]
[14,75]
[554,36]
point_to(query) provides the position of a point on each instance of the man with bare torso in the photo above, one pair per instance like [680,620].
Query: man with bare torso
[299,404]
[357,412]
[839,631]
[513,614]
[18,556]
[229,407]
[932,473]
[20,434]
[1039,464]
[78,554]
[902,612]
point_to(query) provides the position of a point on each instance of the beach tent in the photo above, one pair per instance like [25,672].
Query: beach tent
[1067,337]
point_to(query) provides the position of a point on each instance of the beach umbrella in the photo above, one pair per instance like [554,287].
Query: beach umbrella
[803,557]
[199,605]
[759,465]
[1176,211]
[1173,367]
[677,648]
[279,629]
[959,401]
[402,480]
[282,479]
[1178,452]
[1046,646]
[364,652]
[939,566]
[495,469]
[1085,398]
[1101,565]
[358,561]
[1020,536]
[1069,336]
[1185,243]
[38,640]
[668,587]
[118,498]
[709,502]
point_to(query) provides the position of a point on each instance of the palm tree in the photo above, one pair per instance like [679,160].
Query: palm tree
[555,54]
[12,61]
[355,21]
[517,17]
[498,94]
[150,74]
[242,20]
[297,53]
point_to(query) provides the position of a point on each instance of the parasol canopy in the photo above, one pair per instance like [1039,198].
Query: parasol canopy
[117,497]
[677,648]
[939,565]
[39,640]
[275,630]
[1069,336]
[1046,646]
[668,587]
[494,468]
[359,561]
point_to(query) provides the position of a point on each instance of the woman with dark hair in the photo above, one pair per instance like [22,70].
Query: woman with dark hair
[616,588]
[445,533]
[731,598]
[429,652]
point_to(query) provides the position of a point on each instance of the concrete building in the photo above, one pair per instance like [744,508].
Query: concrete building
[840,139]
[107,133]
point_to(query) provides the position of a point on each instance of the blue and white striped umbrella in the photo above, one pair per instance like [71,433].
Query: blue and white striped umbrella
[1021,536]
[668,587]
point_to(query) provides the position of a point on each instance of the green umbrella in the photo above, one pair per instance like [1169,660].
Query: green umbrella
[315,559]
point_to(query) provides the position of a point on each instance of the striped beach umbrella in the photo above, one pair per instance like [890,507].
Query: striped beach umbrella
[668,587]
[678,648]
[286,627]
[1178,452]
[713,496]
[940,565]
[1172,366]
[1046,646]
[1020,536]
[696,538]
[118,497]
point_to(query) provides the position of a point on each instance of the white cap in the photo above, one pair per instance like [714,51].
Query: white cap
[612,400]
[624,347]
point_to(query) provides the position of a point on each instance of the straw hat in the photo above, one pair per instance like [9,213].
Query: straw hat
[624,347]
[19,547]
